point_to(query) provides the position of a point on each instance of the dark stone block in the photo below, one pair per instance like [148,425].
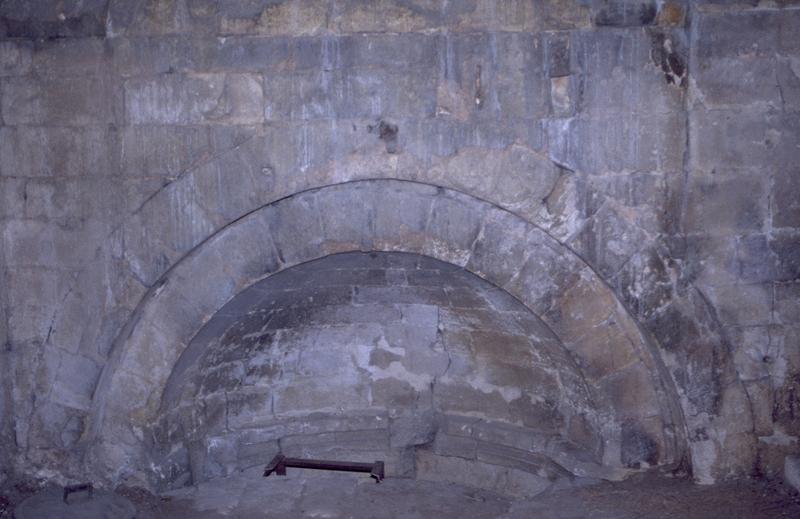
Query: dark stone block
[786,410]
[558,51]
[625,13]
[786,202]
[785,247]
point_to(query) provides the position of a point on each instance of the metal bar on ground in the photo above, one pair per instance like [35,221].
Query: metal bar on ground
[280,462]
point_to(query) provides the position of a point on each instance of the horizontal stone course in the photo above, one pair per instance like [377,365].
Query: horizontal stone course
[195,98]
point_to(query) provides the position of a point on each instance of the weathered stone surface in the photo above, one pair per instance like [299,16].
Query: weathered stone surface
[653,141]
[15,58]
[508,481]
[195,98]
[49,19]
[625,13]
[74,101]
[791,471]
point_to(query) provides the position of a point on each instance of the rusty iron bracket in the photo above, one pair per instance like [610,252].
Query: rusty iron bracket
[71,489]
[280,462]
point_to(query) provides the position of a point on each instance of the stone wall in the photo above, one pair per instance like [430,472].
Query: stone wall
[741,214]
[654,140]
[366,357]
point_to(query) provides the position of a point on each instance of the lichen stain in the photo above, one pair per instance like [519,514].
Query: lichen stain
[667,56]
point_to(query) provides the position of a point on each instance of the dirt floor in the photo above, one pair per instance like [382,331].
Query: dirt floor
[247,495]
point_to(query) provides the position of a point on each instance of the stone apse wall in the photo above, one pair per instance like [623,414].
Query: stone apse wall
[530,240]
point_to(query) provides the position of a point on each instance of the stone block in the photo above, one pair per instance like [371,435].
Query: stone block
[401,216]
[726,204]
[785,205]
[12,197]
[608,240]
[737,34]
[343,94]
[52,19]
[416,428]
[27,151]
[453,226]
[755,261]
[625,13]
[501,249]
[38,243]
[618,143]
[362,445]
[170,151]
[296,230]
[523,460]
[785,410]
[455,446]
[733,82]
[249,409]
[457,425]
[558,54]
[75,381]
[741,305]
[784,246]
[744,141]
[603,352]
[301,18]
[630,393]
[15,57]
[787,302]
[71,58]
[348,226]
[353,16]
[505,434]
[310,396]
[582,305]
[68,101]
[504,480]
[195,99]
[760,393]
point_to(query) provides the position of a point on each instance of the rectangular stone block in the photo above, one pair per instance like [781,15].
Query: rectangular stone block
[71,58]
[364,93]
[787,302]
[449,445]
[785,200]
[324,444]
[27,151]
[50,19]
[619,143]
[36,243]
[34,295]
[68,101]
[195,99]
[732,82]
[784,245]
[726,140]
[737,33]
[75,381]
[505,480]
[15,57]
[625,13]
[137,56]
[558,54]
[167,151]
[721,205]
